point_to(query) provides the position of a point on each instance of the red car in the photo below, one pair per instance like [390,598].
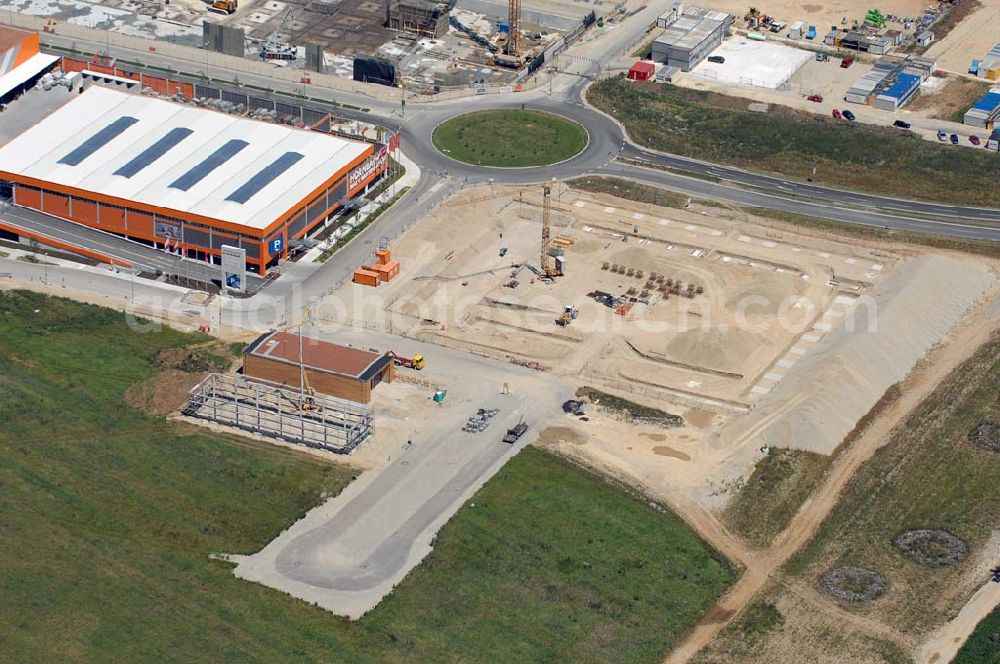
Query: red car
[816,98]
[974,139]
[836,114]
[846,62]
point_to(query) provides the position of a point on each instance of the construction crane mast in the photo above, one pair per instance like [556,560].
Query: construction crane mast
[513,46]
[546,261]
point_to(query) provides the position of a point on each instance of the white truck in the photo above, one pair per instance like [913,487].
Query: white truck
[797,31]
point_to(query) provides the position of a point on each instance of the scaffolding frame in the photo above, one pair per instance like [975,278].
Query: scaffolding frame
[314,420]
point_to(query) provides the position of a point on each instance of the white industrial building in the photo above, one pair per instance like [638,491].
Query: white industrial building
[690,35]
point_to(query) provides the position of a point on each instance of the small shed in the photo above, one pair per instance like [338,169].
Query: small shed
[925,38]
[340,371]
[642,71]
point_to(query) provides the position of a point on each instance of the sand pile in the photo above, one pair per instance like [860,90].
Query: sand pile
[842,378]
[773,287]
[713,349]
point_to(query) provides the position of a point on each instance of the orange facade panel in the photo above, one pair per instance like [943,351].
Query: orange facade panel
[55,204]
[111,218]
[28,49]
[84,211]
[140,224]
[28,197]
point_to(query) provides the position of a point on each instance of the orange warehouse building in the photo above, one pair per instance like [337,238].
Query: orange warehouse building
[21,61]
[185,179]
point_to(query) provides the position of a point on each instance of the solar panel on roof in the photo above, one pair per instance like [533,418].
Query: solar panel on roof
[154,151]
[98,141]
[264,176]
[211,162]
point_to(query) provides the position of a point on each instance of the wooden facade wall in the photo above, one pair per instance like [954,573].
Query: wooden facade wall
[335,385]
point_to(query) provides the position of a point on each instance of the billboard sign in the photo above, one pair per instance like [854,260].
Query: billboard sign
[371,165]
[234,268]
[166,230]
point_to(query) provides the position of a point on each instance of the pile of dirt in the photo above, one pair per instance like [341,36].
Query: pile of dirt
[986,434]
[853,584]
[193,360]
[555,435]
[164,393]
[713,349]
[931,547]
[764,294]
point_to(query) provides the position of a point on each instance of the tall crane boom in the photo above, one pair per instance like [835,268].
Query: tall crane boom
[546,260]
[513,47]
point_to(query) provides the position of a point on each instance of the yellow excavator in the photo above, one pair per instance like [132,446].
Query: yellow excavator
[226,6]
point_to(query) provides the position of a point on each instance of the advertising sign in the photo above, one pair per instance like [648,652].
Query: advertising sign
[234,268]
[370,165]
[166,230]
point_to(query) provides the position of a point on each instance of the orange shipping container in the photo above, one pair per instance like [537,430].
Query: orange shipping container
[366,277]
[388,271]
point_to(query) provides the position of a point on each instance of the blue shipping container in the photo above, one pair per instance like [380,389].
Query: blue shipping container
[903,88]
[504,27]
[988,102]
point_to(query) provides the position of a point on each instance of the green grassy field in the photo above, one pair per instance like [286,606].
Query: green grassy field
[927,476]
[110,517]
[510,138]
[718,128]
[773,493]
[629,190]
[983,647]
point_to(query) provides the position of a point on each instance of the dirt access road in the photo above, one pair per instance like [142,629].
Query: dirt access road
[759,566]
[946,642]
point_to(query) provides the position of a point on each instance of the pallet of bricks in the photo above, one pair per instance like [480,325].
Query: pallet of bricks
[384,269]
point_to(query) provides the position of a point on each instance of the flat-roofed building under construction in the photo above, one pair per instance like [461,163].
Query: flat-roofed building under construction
[288,359]
[182,178]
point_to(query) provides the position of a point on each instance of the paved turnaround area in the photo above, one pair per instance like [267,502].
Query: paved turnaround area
[348,553]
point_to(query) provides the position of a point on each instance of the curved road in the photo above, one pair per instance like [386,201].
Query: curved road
[608,142]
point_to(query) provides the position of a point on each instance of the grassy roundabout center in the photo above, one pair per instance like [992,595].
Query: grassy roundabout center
[510,137]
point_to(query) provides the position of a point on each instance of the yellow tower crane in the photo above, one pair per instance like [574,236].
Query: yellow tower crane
[513,46]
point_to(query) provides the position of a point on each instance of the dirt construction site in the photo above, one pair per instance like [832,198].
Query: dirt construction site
[740,323]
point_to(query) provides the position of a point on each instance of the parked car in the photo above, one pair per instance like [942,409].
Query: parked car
[836,114]
[848,115]
[902,124]
[974,139]
[717,59]
[942,135]
[822,57]
[816,98]
[846,62]
[954,139]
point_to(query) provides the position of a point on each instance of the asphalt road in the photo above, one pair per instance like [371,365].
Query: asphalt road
[348,553]
[563,95]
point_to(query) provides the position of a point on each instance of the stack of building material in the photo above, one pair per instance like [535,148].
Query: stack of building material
[366,277]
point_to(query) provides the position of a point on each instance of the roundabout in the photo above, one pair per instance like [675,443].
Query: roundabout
[510,138]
